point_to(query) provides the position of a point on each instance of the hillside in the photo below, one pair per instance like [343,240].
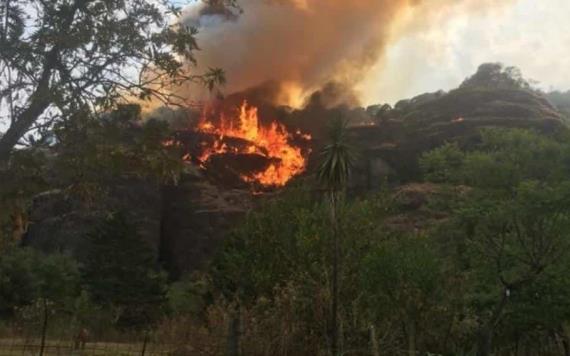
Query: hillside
[184,223]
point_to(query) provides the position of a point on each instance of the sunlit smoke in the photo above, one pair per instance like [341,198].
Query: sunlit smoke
[306,44]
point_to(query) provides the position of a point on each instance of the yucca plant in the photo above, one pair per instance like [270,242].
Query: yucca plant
[337,160]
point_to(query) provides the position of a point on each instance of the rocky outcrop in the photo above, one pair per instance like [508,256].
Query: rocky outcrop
[420,124]
[60,222]
[182,223]
[196,216]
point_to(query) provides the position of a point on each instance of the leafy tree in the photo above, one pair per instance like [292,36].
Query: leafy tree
[270,247]
[278,263]
[19,285]
[90,158]
[495,75]
[27,276]
[512,225]
[121,272]
[541,310]
[403,279]
[502,160]
[442,164]
[64,58]
[516,239]
[94,154]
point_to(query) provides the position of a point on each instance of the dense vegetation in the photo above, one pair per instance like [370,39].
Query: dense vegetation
[470,256]
[487,272]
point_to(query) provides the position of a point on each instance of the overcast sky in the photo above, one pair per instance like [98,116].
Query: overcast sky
[531,34]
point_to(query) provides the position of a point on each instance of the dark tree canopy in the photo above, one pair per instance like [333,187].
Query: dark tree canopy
[63,57]
[496,75]
[121,272]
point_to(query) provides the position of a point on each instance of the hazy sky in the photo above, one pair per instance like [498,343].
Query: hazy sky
[531,34]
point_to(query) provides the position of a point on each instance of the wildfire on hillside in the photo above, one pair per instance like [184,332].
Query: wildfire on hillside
[242,135]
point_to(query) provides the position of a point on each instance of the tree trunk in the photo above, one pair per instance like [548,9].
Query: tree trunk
[336,253]
[411,330]
[145,342]
[234,333]
[485,343]
[39,102]
[566,346]
[375,350]
[565,339]
[40,99]
[44,327]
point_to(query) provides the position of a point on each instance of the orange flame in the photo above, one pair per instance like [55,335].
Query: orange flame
[271,142]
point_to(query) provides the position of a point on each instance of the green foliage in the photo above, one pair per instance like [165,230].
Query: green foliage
[403,282]
[442,164]
[278,263]
[98,152]
[186,297]
[403,274]
[273,244]
[69,57]
[337,157]
[27,276]
[502,160]
[495,75]
[121,272]
[510,230]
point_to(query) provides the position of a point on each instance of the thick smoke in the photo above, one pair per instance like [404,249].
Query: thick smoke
[302,44]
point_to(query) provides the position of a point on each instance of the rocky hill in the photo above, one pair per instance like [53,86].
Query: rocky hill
[185,223]
[401,134]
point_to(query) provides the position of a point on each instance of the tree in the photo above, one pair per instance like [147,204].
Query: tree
[337,161]
[62,58]
[495,75]
[403,278]
[512,224]
[121,272]
[25,178]
[515,240]
[98,152]
[277,267]
[28,277]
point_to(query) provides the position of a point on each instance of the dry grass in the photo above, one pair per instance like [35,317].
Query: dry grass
[24,347]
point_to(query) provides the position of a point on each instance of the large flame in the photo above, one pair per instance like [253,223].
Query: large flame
[272,142]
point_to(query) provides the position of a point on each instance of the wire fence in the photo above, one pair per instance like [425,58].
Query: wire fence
[14,346]
[127,345]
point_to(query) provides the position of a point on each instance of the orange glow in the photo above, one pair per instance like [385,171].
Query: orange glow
[272,142]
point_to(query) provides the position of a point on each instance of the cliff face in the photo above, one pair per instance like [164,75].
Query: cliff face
[184,224]
[196,215]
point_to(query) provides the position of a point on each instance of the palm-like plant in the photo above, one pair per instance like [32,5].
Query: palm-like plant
[333,174]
